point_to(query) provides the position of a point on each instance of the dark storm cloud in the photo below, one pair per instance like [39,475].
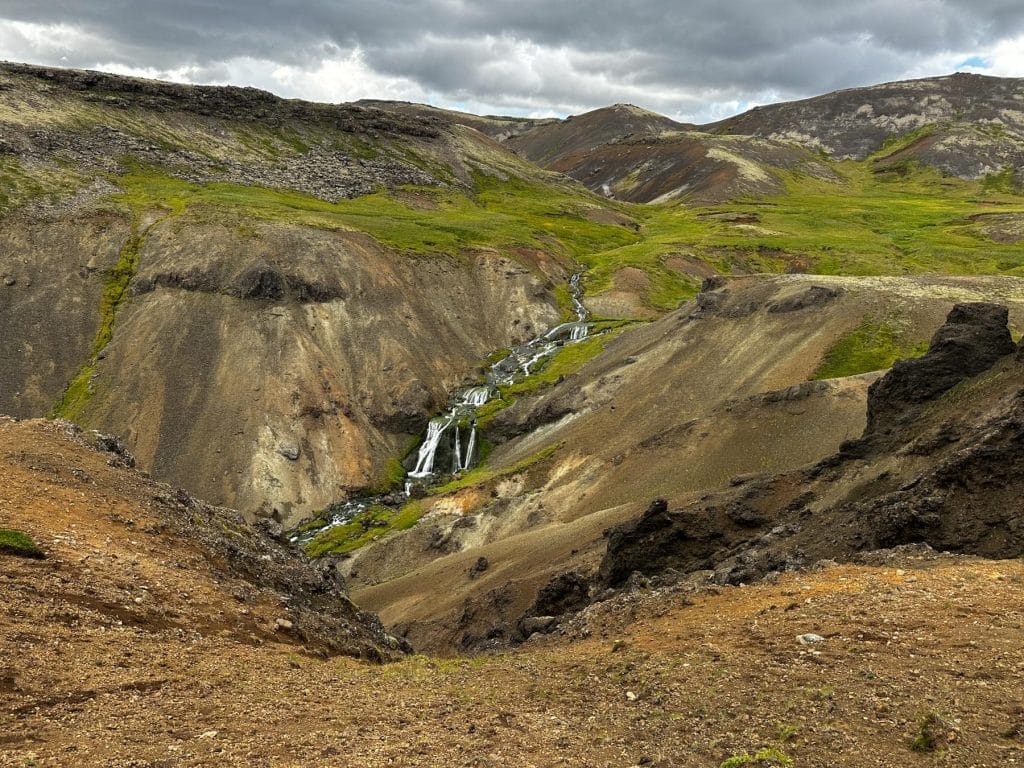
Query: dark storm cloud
[539,54]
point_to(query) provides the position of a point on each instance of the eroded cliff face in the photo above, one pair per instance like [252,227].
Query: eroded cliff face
[51,283]
[261,365]
[174,269]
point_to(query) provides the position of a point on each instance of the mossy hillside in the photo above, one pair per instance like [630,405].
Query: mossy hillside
[20,184]
[565,361]
[19,544]
[870,347]
[867,224]
[500,214]
[374,522]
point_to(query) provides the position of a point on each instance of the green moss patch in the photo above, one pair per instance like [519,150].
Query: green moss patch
[871,347]
[374,522]
[19,544]
[482,474]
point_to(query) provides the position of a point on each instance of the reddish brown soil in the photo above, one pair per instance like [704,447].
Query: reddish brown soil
[189,676]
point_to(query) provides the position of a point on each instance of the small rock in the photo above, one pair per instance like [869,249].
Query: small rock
[809,639]
[537,624]
[630,696]
[290,452]
[208,735]
[283,625]
[479,567]
[9,281]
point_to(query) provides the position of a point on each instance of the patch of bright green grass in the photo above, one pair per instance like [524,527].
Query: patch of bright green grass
[501,214]
[20,544]
[870,347]
[375,521]
[115,290]
[871,225]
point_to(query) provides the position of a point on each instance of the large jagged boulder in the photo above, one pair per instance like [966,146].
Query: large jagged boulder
[660,538]
[973,338]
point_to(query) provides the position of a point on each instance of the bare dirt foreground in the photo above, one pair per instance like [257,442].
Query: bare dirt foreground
[119,649]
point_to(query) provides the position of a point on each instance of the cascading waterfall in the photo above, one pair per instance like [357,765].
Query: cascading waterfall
[446,433]
[469,449]
[465,403]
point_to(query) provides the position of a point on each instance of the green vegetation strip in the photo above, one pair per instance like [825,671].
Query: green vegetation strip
[374,522]
[115,292]
[19,544]
[865,221]
[379,520]
[566,360]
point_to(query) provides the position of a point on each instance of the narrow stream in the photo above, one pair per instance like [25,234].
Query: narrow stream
[451,444]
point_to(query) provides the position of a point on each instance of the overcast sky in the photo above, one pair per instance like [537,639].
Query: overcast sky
[694,60]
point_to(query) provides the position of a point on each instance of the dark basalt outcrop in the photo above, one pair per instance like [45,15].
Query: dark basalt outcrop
[948,475]
[815,296]
[228,102]
[259,282]
[973,338]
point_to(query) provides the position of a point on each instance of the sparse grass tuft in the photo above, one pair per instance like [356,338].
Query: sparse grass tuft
[769,756]
[19,544]
[932,733]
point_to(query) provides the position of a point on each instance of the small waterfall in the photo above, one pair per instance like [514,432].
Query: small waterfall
[476,396]
[441,441]
[425,460]
[457,454]
[520,362]
[470,447]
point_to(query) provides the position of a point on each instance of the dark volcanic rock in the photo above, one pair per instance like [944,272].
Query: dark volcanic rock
[974,337]
[564,593]
[660,539]
[955,485]
[815,296]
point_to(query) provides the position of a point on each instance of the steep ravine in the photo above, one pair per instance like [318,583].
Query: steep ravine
[267,366]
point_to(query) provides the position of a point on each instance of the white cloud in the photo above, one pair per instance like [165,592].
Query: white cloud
[697,62]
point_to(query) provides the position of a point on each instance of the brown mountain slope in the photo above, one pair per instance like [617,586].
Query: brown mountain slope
[916,649]
[579,134]
[630,154]
[715,391]
[974,124]
[691,166]
[124,554]
[939,463]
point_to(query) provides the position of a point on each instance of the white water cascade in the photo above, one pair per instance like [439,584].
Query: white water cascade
[442,441]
